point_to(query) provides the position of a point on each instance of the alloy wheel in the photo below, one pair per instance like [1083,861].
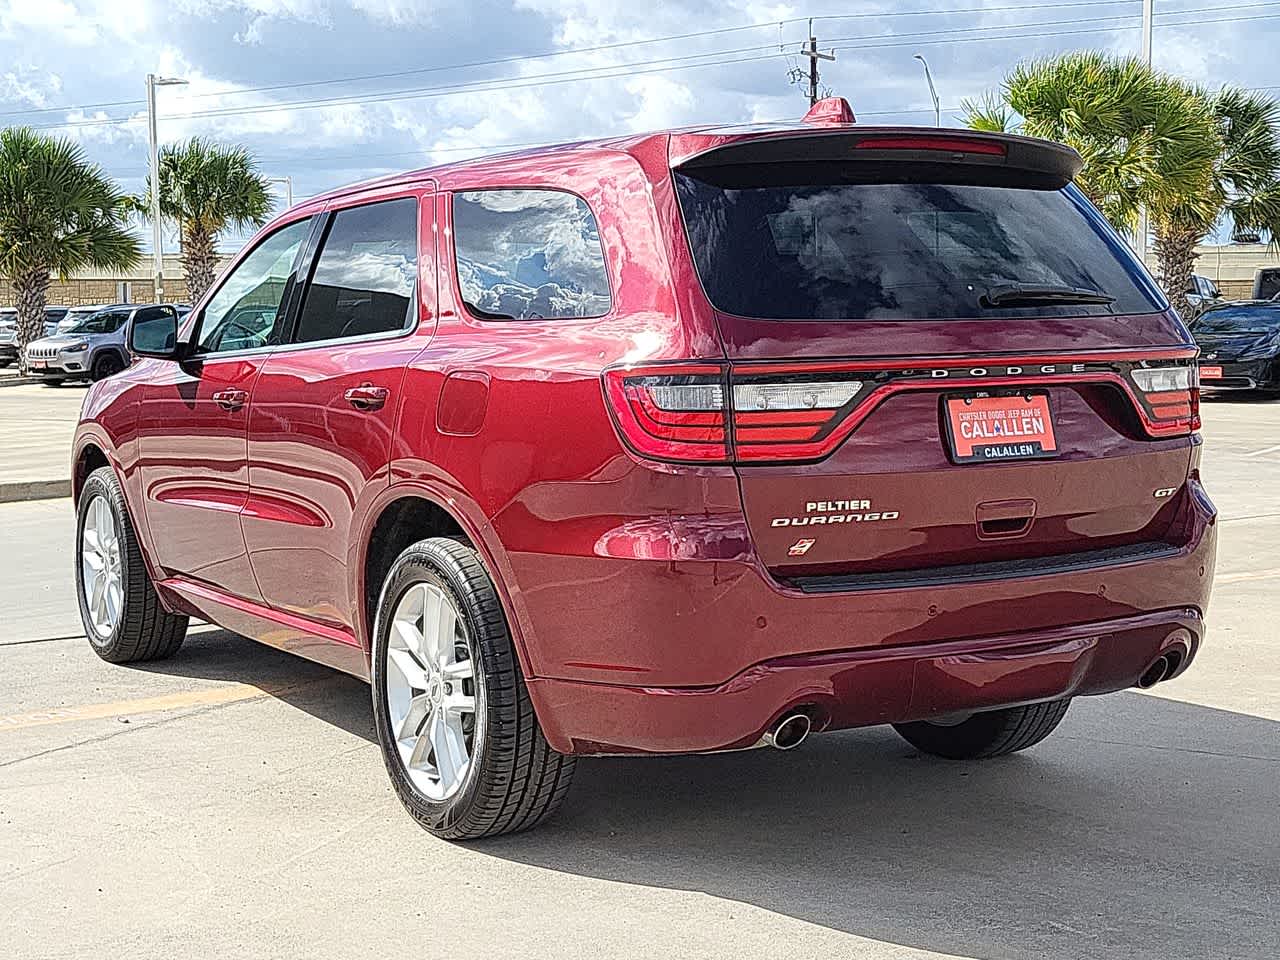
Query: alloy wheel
[102,567]
[434,694]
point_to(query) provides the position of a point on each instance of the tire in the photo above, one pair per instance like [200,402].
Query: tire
[992,733]
[53,381]
[513,780]
[5,362]
[107,365]
[141,628]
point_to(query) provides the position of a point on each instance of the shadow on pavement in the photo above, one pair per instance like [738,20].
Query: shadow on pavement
[1143,828]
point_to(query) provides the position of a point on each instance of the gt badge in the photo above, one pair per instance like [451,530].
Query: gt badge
[800,548]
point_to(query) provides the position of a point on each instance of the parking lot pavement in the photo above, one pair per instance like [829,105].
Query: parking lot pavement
[36,426]
[230,802]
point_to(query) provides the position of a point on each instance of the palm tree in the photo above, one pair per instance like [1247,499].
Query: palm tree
[205,188]
[1244,188]
[59,213]
[1150,139]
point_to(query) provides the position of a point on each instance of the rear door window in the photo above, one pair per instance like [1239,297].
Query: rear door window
[365,275]
[786,248]
[529,255]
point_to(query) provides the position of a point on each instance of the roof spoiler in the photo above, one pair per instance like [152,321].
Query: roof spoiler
[990,156]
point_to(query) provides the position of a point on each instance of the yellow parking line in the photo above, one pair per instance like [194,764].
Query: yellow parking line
[123,708]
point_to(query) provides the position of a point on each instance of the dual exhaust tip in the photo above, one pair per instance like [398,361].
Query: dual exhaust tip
[789,732]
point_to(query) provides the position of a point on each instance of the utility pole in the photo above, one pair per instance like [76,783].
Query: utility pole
[1148,15]
[814,56]
[153,144]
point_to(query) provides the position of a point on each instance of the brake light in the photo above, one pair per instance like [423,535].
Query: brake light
[943,144]
[671,412]
[1170,398]
[783,418]
[681,413]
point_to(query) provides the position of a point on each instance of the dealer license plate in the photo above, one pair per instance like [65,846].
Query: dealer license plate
[1210,373]
[986,429]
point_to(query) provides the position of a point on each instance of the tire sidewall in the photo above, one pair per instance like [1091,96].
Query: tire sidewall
[97,488]
[99,369]
[423,564]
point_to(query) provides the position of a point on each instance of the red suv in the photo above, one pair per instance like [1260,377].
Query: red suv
[673,443]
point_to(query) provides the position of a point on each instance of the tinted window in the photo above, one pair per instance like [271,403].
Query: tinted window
[1254,319]
[245,312]
[795,249]
[529,255]
[54,313]
[363,281]
[104,321]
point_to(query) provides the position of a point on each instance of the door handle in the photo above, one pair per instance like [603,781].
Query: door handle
[231,399]
[367,396]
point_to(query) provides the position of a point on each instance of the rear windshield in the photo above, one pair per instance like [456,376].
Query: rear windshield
[1259,319]
[896,251]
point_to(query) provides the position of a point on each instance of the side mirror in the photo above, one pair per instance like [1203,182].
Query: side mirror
[157,335]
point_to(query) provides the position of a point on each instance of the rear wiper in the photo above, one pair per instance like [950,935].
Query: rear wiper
[1019,294]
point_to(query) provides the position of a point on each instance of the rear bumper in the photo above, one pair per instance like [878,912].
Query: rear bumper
[1243,375]
[865,687]
[908,654]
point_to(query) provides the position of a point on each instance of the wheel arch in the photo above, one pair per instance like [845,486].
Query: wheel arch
[89,457]
[405,514]
[98,353]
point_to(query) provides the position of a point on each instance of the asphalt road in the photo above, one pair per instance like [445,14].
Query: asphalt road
[231,803]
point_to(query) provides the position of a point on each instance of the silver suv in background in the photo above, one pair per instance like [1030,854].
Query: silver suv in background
[53,316]
[94,348]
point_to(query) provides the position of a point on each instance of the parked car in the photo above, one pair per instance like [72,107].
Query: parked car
[1202,293]
[9,330]
[52,317]
[1266,283]
[1240,346]
[8,336]
[675,443]
[93,349]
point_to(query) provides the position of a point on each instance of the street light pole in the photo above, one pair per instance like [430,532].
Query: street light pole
[153,144]
[288,188]
[1148,15]
[937,106]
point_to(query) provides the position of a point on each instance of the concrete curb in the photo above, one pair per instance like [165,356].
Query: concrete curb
[13,491]
[17,381]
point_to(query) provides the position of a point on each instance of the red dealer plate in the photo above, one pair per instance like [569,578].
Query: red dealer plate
[1210,373]
[986,429]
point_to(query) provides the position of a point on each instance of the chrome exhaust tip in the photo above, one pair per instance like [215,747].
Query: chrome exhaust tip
[789,732]
[1158,670]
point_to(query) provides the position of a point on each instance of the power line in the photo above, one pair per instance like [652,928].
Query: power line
[472,86]
[497,61]
[612,71]
[1054,23]
[937,11]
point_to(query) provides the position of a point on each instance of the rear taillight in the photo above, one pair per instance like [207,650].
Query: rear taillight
[1169,398]
[681,413]
[671,412]
[786,418]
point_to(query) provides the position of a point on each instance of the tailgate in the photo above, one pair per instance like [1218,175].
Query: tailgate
[939,356]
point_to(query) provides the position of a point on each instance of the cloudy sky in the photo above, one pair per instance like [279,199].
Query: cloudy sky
[332,91]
